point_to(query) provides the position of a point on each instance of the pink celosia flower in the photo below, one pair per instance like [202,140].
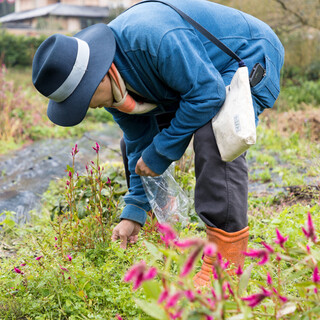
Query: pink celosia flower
[282,298]
[269,279]
[150,274]
[38,258]
[173,300]
[210,249]
[22,264]
[316,275]
[70,174]
[239,271]
[17,270]
[118,317]
[268,247]
[138,274]
[97,148]
[188,243]
[190,295]
[311,232]
[256,298]
[64,269]
[163,296]
[69,257]
[280,238]
[227,285]
[221,263]
[55,238]
[214,272]
[259,254]
[209,317]
[308,248]
[168,233]
[213,293]
[75,150]
[187,268]
[108,181]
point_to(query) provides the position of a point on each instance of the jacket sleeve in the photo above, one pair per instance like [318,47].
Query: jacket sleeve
[183,65]
[138,132]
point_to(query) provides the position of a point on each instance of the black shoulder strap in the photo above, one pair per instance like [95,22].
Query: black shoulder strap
[202,30]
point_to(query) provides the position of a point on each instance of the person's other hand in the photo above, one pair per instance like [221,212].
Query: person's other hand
[143,170]
[126,231]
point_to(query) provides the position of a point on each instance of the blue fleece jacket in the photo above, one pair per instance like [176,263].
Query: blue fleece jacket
[170,63]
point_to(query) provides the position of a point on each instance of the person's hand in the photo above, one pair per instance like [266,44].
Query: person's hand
[126,230]
[143,170]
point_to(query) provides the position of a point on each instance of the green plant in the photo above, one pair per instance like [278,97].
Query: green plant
[283,283]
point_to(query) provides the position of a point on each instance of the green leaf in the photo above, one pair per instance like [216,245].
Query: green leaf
[8,222]
[152,309]
[287,308]
[153,250]
[244,280]
[151,289]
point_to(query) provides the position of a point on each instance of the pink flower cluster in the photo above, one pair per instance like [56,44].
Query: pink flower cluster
[139,273]
[96,148]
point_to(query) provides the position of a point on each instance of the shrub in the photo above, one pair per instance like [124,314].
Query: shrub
[18,50]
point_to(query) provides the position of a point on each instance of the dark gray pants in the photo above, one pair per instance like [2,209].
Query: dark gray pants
[221,192]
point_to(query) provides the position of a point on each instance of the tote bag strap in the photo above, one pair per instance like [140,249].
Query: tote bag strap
[202,30]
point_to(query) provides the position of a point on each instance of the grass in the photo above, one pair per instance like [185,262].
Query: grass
[79,271]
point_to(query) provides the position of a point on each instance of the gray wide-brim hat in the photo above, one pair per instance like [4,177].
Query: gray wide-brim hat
[68,70]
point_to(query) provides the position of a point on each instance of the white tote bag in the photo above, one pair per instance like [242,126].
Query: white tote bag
[234,125]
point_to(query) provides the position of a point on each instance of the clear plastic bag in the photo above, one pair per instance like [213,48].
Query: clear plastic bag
[168,201]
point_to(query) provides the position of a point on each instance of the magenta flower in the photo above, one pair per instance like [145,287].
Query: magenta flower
[209,317]
[173,300]
[190,295]
[268,247]
[38,258]
[138,274]
[259,254]
[316,275]
[163,296]
[108,181]
[269,279]
[75,150]
[150,274]
[168,233]
[64,269]
[282,298]
[280,238]
[221,263]
[55,238]
[210,249]
[97,148]
[17,270]
[70,174]
[69,257]
[226,286]
[22,264]
[255,299]
[311,232]
[187,268]
[239,271]
[118,317]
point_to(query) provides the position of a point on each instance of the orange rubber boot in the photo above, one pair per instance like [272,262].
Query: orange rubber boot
[231,246]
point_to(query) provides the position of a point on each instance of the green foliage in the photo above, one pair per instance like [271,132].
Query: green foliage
[18,50]
[302,92]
